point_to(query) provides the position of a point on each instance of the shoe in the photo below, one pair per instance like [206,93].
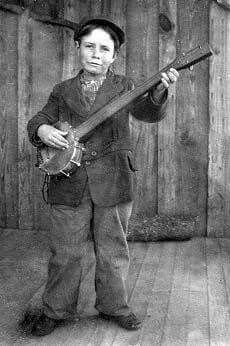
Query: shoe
[129,322]
[44,325]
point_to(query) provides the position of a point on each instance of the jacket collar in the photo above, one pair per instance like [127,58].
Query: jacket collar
[74,97]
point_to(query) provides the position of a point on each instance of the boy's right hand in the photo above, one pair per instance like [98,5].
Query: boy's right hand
[52,136]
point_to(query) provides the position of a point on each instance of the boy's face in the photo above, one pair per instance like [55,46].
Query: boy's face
[96,52]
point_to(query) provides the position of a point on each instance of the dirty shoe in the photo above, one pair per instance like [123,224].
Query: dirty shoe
[44,325]
[129,322]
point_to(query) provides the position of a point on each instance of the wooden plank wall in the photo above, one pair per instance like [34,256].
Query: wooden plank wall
[219,115]
[183,161]
[142,62]
[183,135]
[8,129]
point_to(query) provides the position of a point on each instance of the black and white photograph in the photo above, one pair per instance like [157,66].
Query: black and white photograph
[115,172]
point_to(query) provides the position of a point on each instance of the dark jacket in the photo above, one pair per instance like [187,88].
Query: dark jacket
[107,164]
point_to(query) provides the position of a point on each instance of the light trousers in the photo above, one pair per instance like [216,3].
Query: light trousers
[69,237]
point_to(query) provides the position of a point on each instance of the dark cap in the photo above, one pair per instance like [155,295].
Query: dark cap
[100,20]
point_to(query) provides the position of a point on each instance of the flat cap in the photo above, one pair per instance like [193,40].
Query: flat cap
[100,20]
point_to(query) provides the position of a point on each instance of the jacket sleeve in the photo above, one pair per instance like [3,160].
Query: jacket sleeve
[48,115]
[145,108]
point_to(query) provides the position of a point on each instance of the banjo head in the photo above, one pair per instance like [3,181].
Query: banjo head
[55,161]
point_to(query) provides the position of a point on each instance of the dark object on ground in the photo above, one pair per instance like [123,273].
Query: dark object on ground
[130,322]
[36,323]
[161,227]
[29,320]
[45,325]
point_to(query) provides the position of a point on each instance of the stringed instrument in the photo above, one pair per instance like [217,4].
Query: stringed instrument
[54,161]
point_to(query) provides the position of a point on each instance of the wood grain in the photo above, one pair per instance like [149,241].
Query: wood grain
[70,59]
[167,167]
[180,289]
[217,294]
[184,161]
[118,14]
[47,58]
[142,62]
[187,315]
[192,116]
[25,151]
[142,296]
[219,139]
[9,121]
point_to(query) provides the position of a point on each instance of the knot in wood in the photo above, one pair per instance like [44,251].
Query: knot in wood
[165,23]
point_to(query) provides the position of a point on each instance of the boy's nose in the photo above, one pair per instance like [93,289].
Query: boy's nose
[96,53]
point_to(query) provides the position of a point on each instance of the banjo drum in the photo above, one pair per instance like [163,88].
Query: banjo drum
[68,160]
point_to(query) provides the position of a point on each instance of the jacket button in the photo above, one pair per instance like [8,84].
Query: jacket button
[94,153]
[87,163]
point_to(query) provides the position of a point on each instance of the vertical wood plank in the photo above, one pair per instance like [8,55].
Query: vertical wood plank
[219,138]
[47,58]
[118,14]
[167,170]
[25,169]
[142,62]
[9,122]
[96,7]
[192,116]
[70,60]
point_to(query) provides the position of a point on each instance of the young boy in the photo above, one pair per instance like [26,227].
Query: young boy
[98,196]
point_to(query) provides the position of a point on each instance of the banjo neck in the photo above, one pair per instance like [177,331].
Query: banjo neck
[54,161]
[183,61]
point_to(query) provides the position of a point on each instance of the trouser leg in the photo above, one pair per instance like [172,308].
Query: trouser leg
[112,258]
[69,245]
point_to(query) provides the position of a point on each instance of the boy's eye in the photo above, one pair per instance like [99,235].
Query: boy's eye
[106,49]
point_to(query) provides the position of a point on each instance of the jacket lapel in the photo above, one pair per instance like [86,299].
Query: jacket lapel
[110,89]
[75,100]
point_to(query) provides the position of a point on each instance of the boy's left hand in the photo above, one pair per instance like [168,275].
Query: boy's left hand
[167,79]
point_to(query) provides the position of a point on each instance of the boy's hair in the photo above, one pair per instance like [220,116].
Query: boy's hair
[87,29]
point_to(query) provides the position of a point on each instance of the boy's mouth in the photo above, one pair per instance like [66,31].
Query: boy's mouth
[94,64]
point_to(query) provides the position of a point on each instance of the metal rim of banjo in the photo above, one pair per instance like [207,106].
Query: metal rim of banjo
[69,166]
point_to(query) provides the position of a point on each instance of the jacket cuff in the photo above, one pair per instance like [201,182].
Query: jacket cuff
[37,142]
[33,132]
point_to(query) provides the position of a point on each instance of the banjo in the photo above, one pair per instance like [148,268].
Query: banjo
[54,161]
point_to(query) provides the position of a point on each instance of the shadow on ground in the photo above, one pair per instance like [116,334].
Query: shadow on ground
[24,257]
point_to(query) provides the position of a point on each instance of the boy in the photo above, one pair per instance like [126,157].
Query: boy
[98,196]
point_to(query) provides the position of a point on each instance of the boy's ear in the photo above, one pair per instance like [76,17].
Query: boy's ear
[115,55]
